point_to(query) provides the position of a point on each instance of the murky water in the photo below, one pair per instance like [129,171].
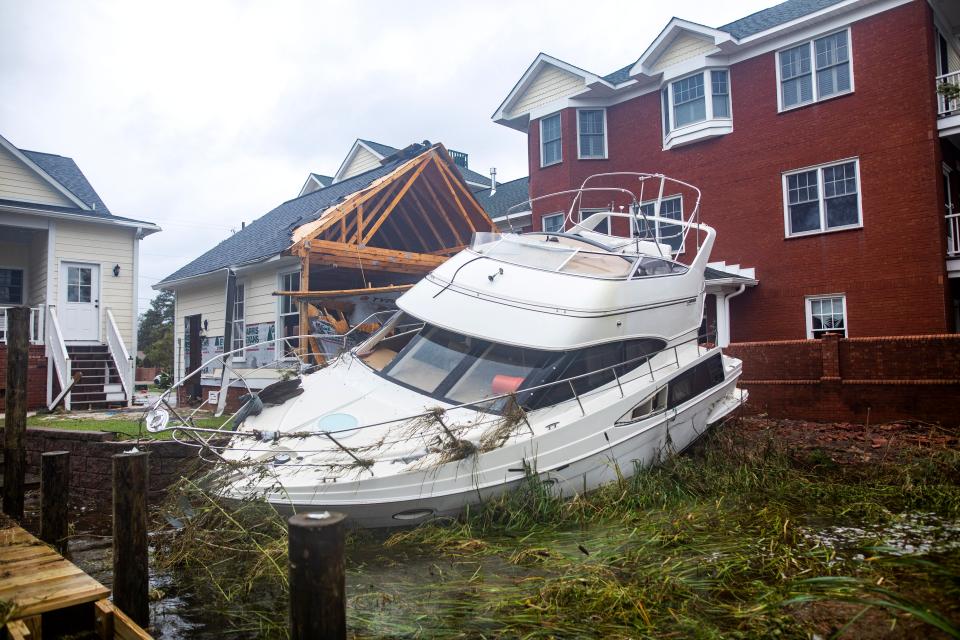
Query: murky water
[913,533]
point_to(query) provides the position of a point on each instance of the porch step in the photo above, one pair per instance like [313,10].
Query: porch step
[100,387]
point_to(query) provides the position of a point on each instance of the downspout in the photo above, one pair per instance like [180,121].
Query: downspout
[726,305]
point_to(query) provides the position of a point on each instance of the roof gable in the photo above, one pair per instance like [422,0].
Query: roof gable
[546,79]
[361,157]
[36,184]
[680,40]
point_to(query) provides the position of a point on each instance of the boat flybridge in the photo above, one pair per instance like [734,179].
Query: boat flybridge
[571,354]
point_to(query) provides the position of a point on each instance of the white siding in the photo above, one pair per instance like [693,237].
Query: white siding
[20,182]
[106,246]
[37,276]
[549,84]
[683,47]
[362,161]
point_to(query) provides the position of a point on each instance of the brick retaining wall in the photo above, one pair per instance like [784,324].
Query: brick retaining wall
[36,377]
[91,465]
[841,379]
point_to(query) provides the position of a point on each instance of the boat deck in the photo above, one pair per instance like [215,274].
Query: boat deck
[37,582]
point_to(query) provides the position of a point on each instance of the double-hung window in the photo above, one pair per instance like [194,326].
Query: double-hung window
[592,134]
[826,314]
[663,232]
[696,107]
[552,223]
[551,149]
[824,198]
[239,326]
[11,286]
[289,313]
[815,70]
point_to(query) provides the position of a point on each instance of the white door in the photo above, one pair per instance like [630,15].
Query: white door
[79,311]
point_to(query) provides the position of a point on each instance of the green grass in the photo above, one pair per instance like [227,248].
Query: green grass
[712,544]
[127,427]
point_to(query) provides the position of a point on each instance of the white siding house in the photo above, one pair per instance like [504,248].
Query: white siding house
[74,263]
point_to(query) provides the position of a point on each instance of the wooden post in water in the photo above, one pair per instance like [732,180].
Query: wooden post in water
[130,570]
[317,601]
[54,498]
[15,424]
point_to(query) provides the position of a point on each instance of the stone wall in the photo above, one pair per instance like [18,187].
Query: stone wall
[91,465]
[36,377]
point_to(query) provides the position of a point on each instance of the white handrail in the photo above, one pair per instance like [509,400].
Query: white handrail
[57,350]
[35,326]
[945,106]
[121,357]
[953,235]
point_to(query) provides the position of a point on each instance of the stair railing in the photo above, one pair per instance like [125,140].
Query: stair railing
[57,351]
[121,357]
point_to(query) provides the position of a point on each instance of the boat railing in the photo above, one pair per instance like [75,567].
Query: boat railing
[201,437]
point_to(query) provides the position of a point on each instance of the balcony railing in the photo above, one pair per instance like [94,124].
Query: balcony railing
[953,235]
[948,105]
[36,324]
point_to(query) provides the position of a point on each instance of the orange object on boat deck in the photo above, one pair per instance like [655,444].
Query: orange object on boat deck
[505,384]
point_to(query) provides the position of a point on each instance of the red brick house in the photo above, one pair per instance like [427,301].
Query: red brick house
[827,160]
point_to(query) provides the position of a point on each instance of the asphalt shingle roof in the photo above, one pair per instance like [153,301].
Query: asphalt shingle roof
[751,24]
[507,195]
[324,180]
[774,16]
[67,173]
[383,149]
[270,234]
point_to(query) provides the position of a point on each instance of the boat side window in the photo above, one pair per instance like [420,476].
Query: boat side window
[650,266]
[430,357]
[654,403]
[692,383]
[588,362]
[499,370]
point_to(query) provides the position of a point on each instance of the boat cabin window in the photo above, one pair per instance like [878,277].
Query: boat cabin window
[692,383]
[654,403]
[652,266]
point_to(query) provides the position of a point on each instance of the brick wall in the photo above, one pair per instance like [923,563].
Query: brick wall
[36,377]
[896,262]
[91,465]
[894,378]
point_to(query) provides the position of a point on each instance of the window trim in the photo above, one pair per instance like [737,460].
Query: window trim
[24,293]
[813,69]
[808,312]
[674,135]
[242,357]
[560,139]
[543,219]
[586,213]
[785,196]
[676,196]
[606,152]
[280,314]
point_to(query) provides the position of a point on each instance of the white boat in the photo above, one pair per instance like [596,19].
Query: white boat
[570,355]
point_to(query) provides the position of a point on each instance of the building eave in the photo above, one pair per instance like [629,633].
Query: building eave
[6,144]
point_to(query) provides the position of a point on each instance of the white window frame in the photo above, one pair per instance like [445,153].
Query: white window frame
[543,222]
[808,306]
[586,213]
[543,143]
[580,155]
[656,223]
[672,134]
[813,70]
[785,195]
[243,323]
[280,339]
[24,294]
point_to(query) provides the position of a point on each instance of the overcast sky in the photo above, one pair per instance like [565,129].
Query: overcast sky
[200,114]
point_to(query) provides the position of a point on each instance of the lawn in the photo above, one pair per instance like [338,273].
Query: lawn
[127,426]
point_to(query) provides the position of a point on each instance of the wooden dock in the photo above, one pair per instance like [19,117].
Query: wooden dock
[37,582]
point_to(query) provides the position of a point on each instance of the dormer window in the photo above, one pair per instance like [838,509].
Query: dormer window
[696,107]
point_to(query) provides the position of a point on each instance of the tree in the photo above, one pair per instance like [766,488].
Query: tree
[155,333]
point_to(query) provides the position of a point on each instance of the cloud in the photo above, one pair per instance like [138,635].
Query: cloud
[202,115]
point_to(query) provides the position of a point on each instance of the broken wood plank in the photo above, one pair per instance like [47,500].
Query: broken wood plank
[393,203]
[317,295]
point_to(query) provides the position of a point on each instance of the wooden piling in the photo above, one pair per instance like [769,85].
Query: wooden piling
[130,569]
[54,498]
[317,585]
[15,424]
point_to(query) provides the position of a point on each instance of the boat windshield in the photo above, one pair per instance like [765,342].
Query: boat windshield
[462,368]
[553,253]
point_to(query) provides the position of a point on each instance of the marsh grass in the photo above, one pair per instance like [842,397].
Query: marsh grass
[713,543]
